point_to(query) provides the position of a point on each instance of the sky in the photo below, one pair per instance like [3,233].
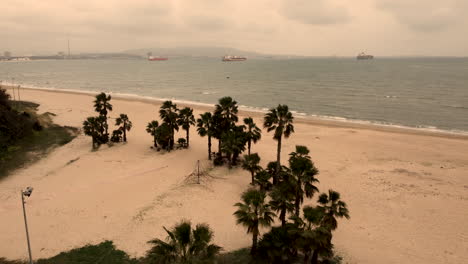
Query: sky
[296,27]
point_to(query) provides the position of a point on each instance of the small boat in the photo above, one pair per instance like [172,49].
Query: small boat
[363,56]
[233,58]
[151,58]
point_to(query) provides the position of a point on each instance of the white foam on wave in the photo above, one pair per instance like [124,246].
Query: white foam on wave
[299,115]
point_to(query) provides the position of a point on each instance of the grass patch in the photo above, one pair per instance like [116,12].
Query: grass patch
[103,253]
[240,256]
[35,144]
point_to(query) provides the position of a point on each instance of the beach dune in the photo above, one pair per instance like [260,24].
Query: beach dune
[407,190]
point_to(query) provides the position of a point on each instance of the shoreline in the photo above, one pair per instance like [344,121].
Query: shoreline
[299,117]
[392,182]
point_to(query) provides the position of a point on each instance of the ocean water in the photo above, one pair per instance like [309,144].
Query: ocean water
[427,93]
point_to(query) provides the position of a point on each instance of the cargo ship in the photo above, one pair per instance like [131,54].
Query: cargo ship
[233,58]
[151,58]
[363,56]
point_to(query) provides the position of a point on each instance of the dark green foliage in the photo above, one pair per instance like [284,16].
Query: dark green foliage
[102,106]
[233,144]
[218,160]
[240,256]
[164,136]
[262,179]
[15,125]
[282,198]
[125,125]
[251,163]
[182,143]
[18,138]
[280,120]
[116,136]
[205,127]
[96,128]
[303,171]
[184,245]
[6,261]
[4,97]
[152,128]
[103,253]
[227,111]
[186,119]
[252,134]
[278,246]
[333,208]
[169,115]
[253,212]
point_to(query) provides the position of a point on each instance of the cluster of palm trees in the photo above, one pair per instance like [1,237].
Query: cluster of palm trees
[185,245]
[278,192]
[172,119]
[97,126]
[233,139]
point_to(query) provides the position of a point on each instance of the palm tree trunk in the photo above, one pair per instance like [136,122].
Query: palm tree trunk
[155,142]
[188,137]
[125,134]
[283,217]
[209,147]
[253,183]
[314,259]
[219,146]
[254,242]
[297,203]
[249,144]
[171,144]
[306,256]
[278,164]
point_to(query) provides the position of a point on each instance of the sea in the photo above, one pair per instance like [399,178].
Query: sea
[424,93]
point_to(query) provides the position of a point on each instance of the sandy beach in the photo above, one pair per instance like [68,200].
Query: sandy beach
[407,190]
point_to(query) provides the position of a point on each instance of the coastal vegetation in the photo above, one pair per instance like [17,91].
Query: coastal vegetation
[97,127]
[271,209]
[26,136]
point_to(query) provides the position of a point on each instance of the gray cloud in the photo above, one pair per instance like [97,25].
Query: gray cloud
[317,12]
[426,15]
[269,26]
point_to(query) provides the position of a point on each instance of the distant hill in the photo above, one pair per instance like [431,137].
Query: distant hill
[212,52]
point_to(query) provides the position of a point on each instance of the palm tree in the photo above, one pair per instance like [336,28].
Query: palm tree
[184,245]
[332,207]
[125,123]
[102,106]
[282,199]
[280,120]
[205,128]
[314,237]
[152,128]
[233,143]
[169,115]
[253,133]
[227,109]
[262,178]
[303,170]
[91,128]
[164,136]
[251,163]
[225,117]
[186,119]
[252,213]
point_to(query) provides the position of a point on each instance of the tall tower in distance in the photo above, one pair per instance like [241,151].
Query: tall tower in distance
[68,46]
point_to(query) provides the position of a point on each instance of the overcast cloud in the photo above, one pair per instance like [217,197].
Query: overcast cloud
[307,27]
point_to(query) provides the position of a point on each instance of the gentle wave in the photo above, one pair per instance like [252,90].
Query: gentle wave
[298,115]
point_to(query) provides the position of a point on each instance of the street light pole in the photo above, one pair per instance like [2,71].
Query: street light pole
[26,224]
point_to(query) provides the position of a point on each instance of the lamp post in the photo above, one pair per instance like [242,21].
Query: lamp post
[27,193]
